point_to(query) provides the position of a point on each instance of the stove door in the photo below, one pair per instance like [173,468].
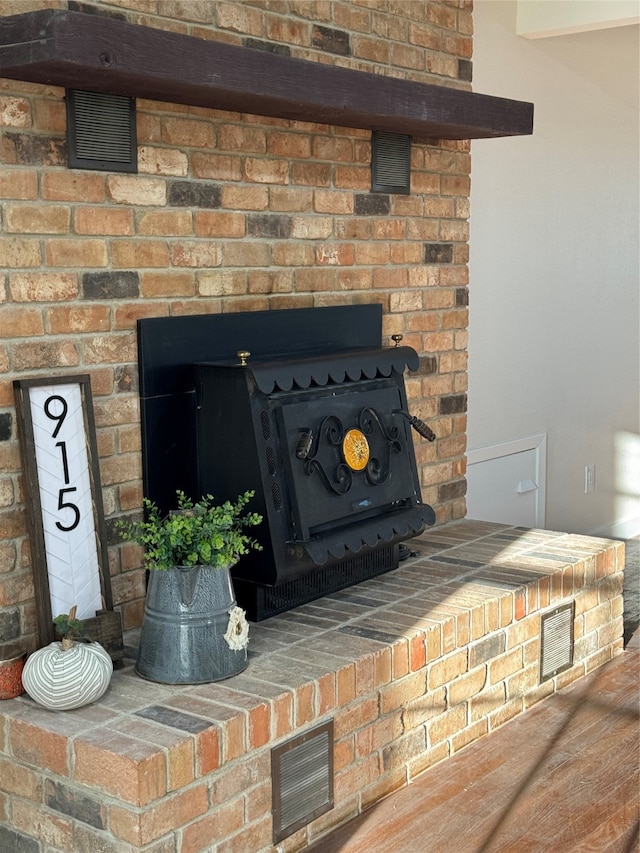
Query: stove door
[347,455]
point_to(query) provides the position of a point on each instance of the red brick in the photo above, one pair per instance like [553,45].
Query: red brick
[79,319]
[20,781]
[485,703]
[467,685]
[208,831]
[162,161]
[311,174]
[343,752]
[50,116]
[37,219]
[382,668]
[14,112]
[173,813]
[304,705]
[21,322]
[293,145]
[138,190]
[259,725]
[138,254]
[72,186]
[373,49]
[126,316]
[265,171]
[43,287]
[103,220]
[287,30]
[163,284]
[76,252]
[346,684]
[30,356]
[35,745]
[357,777]
[172,223]
[399,693]
[19,252]
[257,836]
[447,725]
[247,254]
[16,588]
[219,167]
[124,767]
[355,716]
[326,694]
[112,348]
[380,733]
[214,224]
[352,178]
[47,826]
[18,184]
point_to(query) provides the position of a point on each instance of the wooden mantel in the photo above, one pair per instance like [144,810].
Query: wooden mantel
[101,54]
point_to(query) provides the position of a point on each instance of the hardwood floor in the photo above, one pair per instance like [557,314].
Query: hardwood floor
[563,778]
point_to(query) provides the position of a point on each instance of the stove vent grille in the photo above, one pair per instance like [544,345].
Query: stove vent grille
[390,162]
[266,427]
[556,640]
[276,494]
[271,600]
[302,777]
[101,131]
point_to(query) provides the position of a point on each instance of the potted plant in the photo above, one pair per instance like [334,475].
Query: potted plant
[192,631]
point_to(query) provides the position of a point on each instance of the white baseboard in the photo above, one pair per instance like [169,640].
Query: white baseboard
[629,528]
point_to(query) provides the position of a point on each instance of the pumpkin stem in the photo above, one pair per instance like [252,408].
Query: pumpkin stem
[66,642]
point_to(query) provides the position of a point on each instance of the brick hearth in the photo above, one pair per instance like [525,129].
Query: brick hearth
[411,667]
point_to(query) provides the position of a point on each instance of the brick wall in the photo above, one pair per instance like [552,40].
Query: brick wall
[228,212]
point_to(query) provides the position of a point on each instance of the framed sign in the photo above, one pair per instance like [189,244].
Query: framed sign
[63,497]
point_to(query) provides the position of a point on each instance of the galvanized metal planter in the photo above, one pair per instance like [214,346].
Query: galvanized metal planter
[192,632]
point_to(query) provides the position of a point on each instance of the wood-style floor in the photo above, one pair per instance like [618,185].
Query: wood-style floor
[563,778]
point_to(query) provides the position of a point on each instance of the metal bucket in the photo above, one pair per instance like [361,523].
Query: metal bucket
[186,615]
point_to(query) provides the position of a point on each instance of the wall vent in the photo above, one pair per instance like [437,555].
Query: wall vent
[556,640]
[101,131]
[302,779]
[390,162]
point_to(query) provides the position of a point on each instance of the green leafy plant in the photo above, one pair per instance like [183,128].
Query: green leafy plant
[197,533]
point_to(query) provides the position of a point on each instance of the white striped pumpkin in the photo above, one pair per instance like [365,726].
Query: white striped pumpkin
[61,679]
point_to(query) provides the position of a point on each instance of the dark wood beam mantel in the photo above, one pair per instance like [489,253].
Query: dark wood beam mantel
[100,54]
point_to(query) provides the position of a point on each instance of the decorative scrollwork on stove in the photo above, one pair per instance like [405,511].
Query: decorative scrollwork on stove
[338,478]
[368,417]
[378,470]
[323,453]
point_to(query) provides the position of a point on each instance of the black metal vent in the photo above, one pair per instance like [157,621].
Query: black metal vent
[271,461]
[266,427]
[271,600]
[277,497]
[302,778]
[556,640]
[390,162]
[101,131]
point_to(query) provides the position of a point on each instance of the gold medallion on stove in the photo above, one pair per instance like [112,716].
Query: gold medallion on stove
[355,449]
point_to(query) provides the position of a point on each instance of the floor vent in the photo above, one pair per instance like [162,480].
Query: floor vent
[101,131]
[556,640]
[302,778]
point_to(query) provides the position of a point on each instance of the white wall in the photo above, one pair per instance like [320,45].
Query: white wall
[543,18]
[554,293]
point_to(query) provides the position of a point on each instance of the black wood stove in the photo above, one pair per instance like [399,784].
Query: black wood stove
[310,412]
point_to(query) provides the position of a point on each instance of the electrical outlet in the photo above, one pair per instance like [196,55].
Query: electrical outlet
[589,479]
